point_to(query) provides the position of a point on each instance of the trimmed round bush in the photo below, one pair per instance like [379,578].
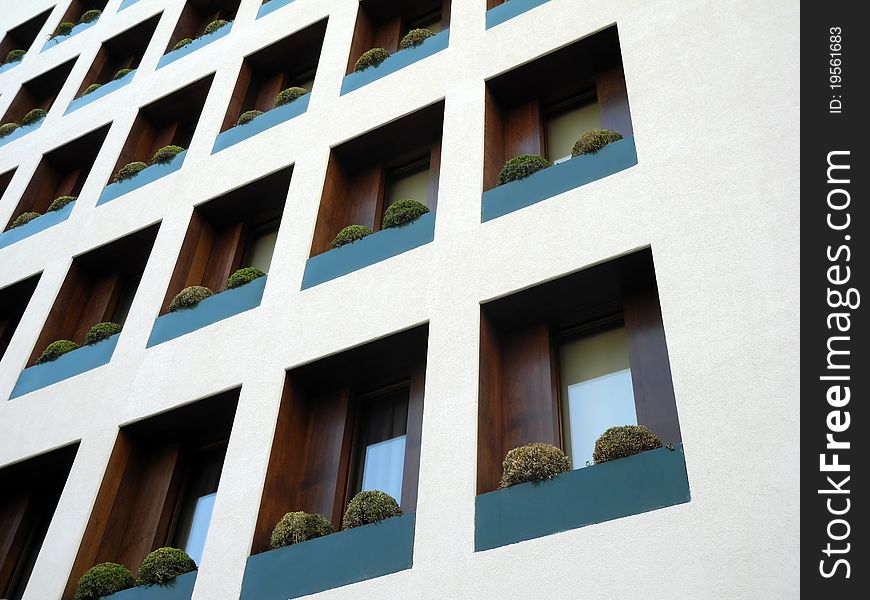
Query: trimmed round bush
[296,527]
[90,15]
[533,462]
[403,211]
[370,507]
[33,116]
[182,43]
[23,219]
[289,95]
[371,58]
[243,276]
[521,167]
[59,203]
[7,128]
[101,331]
[624,441]
[165,564]
[350,234]
[214,26]
[594,140]
[55,350]
[248,116]
[15,56]
[130,170]
[92,88]
[165,154]
[121,74]
[415,37]
[190,296]
[63,29]
[104,579]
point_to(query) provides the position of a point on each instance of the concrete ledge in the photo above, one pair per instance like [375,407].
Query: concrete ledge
[21,132]
[102,91]
[36,225]
[205,40]
[267,120]
[179,589]
[142,178]
[271,7]
[509,10]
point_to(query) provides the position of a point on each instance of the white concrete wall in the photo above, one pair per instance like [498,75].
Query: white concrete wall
[714,97]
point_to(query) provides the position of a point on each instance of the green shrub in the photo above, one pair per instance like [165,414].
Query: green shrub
[533,462]
[7,128]
[350,234]
[121,73]
[620,442]
[129,171]
[101,331]
[370,507]
[594,140]
[165,154]
[182,43]
[55,350]
[289,95]
[90,15]
[59,203]
[371,58]
[14,56]
[248,116]
[92,88]
[214,26]
[521,167]
[63,29]
[415,37]
[403,211]
[190,296]
[33,116]
[165,564]
[102,580]
[243,276]
[23,219]
[296,527]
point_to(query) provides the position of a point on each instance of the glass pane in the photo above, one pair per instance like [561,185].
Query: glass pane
[596,390]
[413,186]
[199,527]
[384,466]
[564,129]
[260,252]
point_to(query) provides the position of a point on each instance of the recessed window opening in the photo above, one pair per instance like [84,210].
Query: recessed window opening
[380,460]
[410,182]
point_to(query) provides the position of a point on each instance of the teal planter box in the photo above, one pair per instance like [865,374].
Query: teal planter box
[21,132]
[370,250]
[36,225]
[7,66]
[193,46]
[557,179]
[211,310]
[508,10]
[396,61]
[620,488]
[126,3]
[267,120]
[74,31]
[142,178]
[179,589]
[270,7]
[65,366]
[104,90]
[331,561]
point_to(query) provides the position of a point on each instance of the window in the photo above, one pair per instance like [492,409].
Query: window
[261,247]
[408,183]
[381,447]
[566,121]
[430,21]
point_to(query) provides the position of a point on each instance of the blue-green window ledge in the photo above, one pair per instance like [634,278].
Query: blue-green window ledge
[509,10]
[331,561]
[142,178]
[74,31]
[180,588]
[126,4]
[271,6]
[21,132]
[38,224]
[103,90]
[603,492]
[200,42]
[267,120]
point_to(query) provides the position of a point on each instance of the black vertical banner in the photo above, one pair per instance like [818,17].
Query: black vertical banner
[835,261]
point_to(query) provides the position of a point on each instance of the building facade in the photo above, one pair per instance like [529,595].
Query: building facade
[652,281]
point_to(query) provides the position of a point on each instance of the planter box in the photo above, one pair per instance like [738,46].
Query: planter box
[211,310]
[126,3]
[271,7]
[104,90]
[396,61]
[557,179]
[508,10]
[331,561]
[66,366]
[371,249]
[21,132]
[7,66]
[193,46]
[143,177]
[179,589]
[595,494]
[36,225]
[74,31]
[267,120]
